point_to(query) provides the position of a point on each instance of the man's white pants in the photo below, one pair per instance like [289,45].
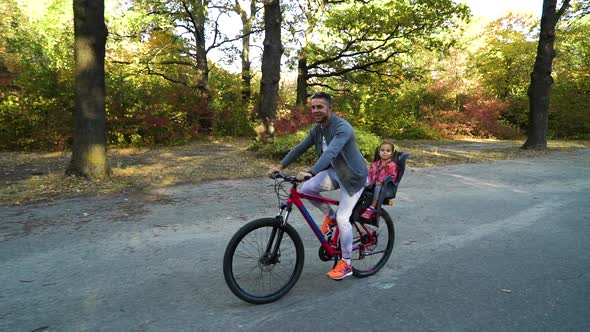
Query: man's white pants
[327,180]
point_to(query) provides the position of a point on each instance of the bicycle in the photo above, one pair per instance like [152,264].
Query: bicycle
[264,258]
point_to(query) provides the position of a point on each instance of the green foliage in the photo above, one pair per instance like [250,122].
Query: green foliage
[230,114]
[367,142]
[569,114]
[359,38]
[425,89]
[281,145]
[147,110]
[389,109]
[33,123]
[36,109]
[504,63]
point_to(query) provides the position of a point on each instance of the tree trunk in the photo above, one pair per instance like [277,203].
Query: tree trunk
[89,158]
[301,98]
[199,117]
[313,14]
[271,66]
[245,55]
[540,88]
[204,116]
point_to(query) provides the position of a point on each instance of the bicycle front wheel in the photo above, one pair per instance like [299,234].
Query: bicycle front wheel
[377,244]
[263,261]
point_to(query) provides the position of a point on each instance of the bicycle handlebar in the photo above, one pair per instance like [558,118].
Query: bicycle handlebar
[287,178]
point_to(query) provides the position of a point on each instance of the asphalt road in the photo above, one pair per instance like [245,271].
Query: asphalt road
[501,246]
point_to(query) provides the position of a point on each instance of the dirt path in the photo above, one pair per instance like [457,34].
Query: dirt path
[38,177]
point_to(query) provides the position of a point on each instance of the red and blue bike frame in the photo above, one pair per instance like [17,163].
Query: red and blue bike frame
[330,247]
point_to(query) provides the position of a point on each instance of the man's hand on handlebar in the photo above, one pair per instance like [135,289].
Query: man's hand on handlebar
[273,170]
[303,176]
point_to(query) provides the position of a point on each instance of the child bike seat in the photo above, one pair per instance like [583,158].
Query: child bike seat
[388,191]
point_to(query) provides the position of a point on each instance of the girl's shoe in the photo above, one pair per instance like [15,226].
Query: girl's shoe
[369,213]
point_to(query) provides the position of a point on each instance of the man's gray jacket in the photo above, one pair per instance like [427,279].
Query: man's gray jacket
[342,153]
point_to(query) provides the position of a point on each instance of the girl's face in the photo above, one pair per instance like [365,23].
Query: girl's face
[385,151]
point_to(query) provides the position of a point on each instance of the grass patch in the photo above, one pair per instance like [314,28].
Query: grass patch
[33,177]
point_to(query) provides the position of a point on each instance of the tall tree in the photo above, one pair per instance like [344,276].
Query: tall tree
[541,80]
[362,36]
[183,33]
[247,11]
[175,31]
[89,157]
[247,17]
[196,14]
[305,24]
[271,65]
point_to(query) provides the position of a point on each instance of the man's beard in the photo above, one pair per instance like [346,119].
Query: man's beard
[321,119]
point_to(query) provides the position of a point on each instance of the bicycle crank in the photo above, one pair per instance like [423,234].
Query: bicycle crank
[324,255]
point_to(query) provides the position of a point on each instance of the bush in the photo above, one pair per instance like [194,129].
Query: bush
[290,120]
[569,115]
[418,131]
[367,142]
[33,123]
[230,115]
[478,116]
[150,114]
[281,145]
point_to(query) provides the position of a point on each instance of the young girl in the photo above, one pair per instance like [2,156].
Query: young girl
[380,168]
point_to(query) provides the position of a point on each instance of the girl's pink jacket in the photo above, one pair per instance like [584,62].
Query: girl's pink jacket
[378,171]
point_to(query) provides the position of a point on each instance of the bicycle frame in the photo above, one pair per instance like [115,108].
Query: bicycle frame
[295,198]
[258,269]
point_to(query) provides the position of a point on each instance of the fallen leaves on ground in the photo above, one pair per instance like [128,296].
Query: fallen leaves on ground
[31,177]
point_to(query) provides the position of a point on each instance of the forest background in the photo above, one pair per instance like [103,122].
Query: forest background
[398,69]
[434,76]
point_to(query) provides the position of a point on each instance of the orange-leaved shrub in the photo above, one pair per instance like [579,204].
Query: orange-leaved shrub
[290,120]
[471,114]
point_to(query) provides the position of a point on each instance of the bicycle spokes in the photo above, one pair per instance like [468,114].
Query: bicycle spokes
[263,261]
[374,243]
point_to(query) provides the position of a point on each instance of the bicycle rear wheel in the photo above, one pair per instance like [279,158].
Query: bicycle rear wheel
[368,261]
[250,269]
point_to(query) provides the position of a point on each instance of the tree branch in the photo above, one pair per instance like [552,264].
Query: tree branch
[215,34]
[562,10]
[365,67]
[342,53]
[168,78]
[231,40]
[328,87]
[192,20]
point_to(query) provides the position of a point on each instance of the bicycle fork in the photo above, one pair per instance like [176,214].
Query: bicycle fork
[272,251]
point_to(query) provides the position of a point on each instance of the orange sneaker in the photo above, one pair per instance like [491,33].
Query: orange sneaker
[340,271]
[328,223]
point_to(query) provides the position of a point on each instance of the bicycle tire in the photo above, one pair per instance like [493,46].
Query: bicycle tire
[244,268]
[365,262]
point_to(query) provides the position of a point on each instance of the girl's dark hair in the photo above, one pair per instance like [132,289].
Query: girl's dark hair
[393,154]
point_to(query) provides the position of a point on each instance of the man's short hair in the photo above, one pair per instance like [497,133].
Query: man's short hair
[323,95]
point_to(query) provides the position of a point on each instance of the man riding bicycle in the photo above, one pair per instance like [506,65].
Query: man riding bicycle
[340,166]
